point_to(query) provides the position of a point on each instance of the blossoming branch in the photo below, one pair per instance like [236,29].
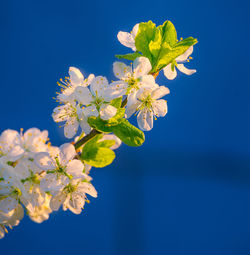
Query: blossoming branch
[39,178]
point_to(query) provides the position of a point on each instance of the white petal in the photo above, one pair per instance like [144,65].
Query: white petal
[185,70]
[121,70]
[67,153]
[57,201]
[98,85]
[145,120]
[90,111]
[75,168]
[141,66]
[160,92]
[130,110]
[88,188]
[8,139]
[83,95]
[71,127]
[44,161]
[185,55]
[107,111]
[126,39]
[60,113]
[84,125]
[169,73]
[135,30]
[90,79]
[117,89]
[160,108]
[76,77]
[148,81]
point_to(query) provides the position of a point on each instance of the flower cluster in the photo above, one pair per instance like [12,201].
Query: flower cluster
[39,178]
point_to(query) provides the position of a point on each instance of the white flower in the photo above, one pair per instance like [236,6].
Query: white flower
[148,106]
[14,145]
[60,169]
[128,39]
[131,79]
[170,71]
[71,83]
[96,100]
[41,213]
[73,196]
[72,115]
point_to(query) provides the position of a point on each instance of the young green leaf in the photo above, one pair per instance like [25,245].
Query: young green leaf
[128,133]
[98,154]
[144,36]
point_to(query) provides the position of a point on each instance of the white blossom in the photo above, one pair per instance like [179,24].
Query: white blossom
[96,99]
[74,80]
[73,196]
[60,169]
[149,105]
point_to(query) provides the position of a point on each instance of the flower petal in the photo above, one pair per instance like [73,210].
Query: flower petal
[57,200]
[145,119]
[135,30]
[76,77]
[117,89]
[75,168]
[160,92]
[107,111]
[71,127]
[126,39]
[44,161]
[60,113]
[160,108]
[169,73]
[141,66]
[67,153]
[98,85]
[83,95]
[121,71]
[185,70]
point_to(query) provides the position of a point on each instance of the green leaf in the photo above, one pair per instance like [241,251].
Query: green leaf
[145,34]
[130,56]
[168,33]
[116,102]
[155,44]
[128,133]
[100,125]
[168,54]
[98,154]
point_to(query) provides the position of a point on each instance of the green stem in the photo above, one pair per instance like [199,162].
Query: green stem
[87,137]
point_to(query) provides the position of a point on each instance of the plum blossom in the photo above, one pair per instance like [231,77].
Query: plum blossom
[74,80]
[96,99]
[149,105]
[170,70]
[73,196]
[59,169]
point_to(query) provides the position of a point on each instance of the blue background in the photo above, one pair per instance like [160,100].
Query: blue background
[187,190]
